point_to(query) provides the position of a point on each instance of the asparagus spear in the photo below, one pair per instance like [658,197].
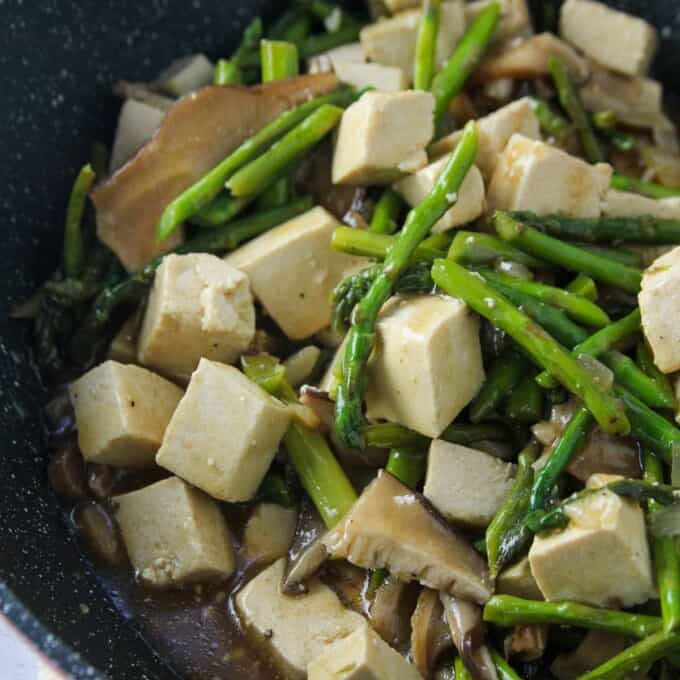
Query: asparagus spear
[368,244]
[607,230]
[649,189]
[468,53]
[572,104]
[505,537]
[640,655]
[584,286]
[566,447]
[426,45]
[552,123]
[503,668]
[605,122]
[288,25]
[320,473]
[347,32]
[199,195]
[275,489]
[565,255]
[470,247]
[348,411]
[666,560]
[407,465]
[393,436]
[462,673]
[627,257]
[227,73]
[502,377]
[279,60]
[74,248]
[506,610]
[543,348]
[250,42]
[578,308]
[219,211]
[525,404]
[386,213]
[645,361]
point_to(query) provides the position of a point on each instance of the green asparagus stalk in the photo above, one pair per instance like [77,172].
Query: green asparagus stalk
[250,43]
[506,611]
[585,287]
[645,361]
[543,348]
[502,377]
[426,45]
[219,211]
[620,139]
[503,541]
[74,248]
[349,402]
[565,255]
[279,60]
[567,446]
[604,120]
[503,668]
[386,214]
[200,194]
[462,673]
[321,475]
[606,230]
[632,659]
[649,189]
[368,244]
[468,53]
[407,465]
[525,404]
[227,73]
[275,489]
[552,124]
[473,248]
[666,561]
[627,257]
[572,104]
[348,32]
[578,308]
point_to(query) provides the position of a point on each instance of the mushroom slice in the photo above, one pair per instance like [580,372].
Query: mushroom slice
[392,527]
[197,133]
[529,642]
[603,453]
[596,647]
[348,582]
[467,631]
[390,612]
[430,634]
[527,59]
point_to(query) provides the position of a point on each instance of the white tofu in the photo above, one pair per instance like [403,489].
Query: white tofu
[327,62]
[300,366]
[494,132]
[137,124]
[269,532]
[620,41]
[659,307]
[517,580]
[469,205]
[382,78]
[174,534]
[293,271]
[531,175]
[602,557]
[383,137]
[392,41]
[427,363]
[224,434]
[199,307]
[626,204]
[122,412]
[363,655]
[515,18]
[186,75]
[297,629]
[466,485]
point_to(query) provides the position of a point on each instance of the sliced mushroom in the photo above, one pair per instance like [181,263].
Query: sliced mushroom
[390,612]
[467,631]
[197,133]
[348,582]
[529,642]
[603,453]
[66,472]
[98,528]
[392,527]
[430,634]
[528,59]
[596,647]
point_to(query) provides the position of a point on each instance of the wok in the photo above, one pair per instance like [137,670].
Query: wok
[58,59]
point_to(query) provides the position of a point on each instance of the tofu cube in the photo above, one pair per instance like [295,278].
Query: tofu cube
[174,534]
[427,363]
[122,412]
[383,137]
[602,557]
[297,629]
[137,124]
[517,580]
[269,532]
[531,175]
[378,76]
[620,41]
[494,132]
[224,434]
[363,655]
[199,307]
[470,201]
[392,41]
[515,21]
[186,75]
[626,204]
[467,486]
[327,62]
[659,306]
[293,270]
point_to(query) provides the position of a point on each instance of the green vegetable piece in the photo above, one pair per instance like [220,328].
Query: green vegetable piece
[368,244]
[503,668]
[471,247]
[275,489]
[552,124]
[279,60]
[407,465]
[501,378]
[426,45]
[385,218]
[645,361]
[585,287]
[74,247]
[227,73]
[525,403]
[648,189]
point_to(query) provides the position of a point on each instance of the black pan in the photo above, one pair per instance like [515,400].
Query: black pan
[58,59]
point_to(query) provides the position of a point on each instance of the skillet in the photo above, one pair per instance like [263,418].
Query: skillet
[58,59]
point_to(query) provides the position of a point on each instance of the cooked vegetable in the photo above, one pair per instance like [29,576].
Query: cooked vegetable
[475,248]
[226,73]
[279,60]
[386,213]
[552,123]
[376,245]
[646,363]
[74,247]
[426,45]
[501,378]
[407,465]
[584,286]
[649,189]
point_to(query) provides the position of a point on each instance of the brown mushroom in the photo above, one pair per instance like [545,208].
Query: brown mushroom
[603,453]
[197,133]
[596,647]
[66,471]
[430,634]
[529,642]
[98,528]
[390,612]
[348,582]
[395,528]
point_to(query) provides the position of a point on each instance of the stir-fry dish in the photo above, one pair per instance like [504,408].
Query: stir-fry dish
[364,349]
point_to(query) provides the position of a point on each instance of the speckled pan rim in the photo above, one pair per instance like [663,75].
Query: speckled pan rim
[54,649]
